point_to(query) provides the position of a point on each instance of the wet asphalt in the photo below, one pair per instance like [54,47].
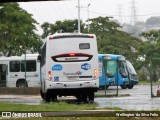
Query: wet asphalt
[138,98]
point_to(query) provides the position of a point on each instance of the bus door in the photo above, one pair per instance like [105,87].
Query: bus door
[3,75]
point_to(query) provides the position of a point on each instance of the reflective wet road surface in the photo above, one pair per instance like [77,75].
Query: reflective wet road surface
[138,98]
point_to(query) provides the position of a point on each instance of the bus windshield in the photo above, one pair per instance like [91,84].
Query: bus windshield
[130,67]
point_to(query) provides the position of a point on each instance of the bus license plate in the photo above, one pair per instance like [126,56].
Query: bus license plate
[72,78]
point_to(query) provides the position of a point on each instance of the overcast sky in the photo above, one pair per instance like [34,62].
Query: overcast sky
[119,9]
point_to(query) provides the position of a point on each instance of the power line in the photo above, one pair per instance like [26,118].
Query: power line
[97,12]
[118,15]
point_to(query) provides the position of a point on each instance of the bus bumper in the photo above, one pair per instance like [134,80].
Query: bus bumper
[76,85]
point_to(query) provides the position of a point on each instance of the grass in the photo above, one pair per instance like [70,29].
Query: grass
[144,81]
[50,107]
[63,106]
[148,82]
[57,106]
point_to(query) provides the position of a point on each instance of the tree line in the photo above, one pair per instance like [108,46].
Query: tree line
[18,35]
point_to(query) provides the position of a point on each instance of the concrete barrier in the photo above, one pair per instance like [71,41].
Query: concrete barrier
[19,91]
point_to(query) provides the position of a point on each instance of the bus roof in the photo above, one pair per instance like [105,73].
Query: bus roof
[22,57]
[113,56]
[65,35]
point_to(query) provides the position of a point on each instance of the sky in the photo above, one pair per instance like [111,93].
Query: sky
[52,11]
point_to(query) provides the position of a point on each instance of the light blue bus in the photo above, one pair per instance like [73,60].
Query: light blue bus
[127,76]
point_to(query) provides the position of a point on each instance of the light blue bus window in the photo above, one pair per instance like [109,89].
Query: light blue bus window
[111,68]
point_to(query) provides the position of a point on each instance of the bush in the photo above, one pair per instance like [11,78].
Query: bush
[141,75]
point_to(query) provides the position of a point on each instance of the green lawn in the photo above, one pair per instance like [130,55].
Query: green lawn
[57,106]
[63,106]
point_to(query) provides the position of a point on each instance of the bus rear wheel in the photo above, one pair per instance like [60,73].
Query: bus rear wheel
[123,86]
[54,98]
[21,84]
[42,94]
[91,96]
[130,86]
[79,97]
[82,97]
[85,97]
[47,97]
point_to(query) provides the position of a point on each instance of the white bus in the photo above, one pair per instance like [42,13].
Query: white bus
[12,71]
[69,65]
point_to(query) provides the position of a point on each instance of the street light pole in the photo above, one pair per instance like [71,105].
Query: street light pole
[79,30]
[88,16]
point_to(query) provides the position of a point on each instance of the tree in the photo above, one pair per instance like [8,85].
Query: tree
[153,21]
[112,40]
[17,30]
[61,27]
[135,30]
[102,27]
[151,52]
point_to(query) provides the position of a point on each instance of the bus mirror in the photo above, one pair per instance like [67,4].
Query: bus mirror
[39,58]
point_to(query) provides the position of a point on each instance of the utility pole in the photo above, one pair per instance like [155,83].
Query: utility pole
[120,13]
[79,30]
[88,16]
[79,26]
[133,13]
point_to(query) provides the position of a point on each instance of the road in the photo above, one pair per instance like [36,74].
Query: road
[139,98]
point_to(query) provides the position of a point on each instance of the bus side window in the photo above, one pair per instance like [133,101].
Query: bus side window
[14,66]
[30,66]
